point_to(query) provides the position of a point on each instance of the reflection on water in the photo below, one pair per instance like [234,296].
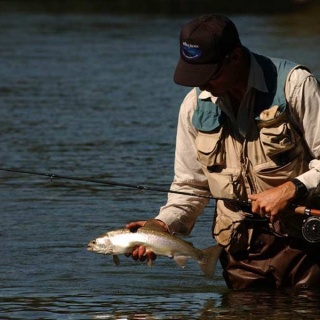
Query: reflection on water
[88,96]
[274,305]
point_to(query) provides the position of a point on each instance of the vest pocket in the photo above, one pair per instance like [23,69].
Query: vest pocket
[270,174]
[278,139]
[279,155]
[229,228]
[223,181]
[225,184]
[210,148]
[276,133]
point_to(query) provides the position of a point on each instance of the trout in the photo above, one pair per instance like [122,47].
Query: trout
[123,241]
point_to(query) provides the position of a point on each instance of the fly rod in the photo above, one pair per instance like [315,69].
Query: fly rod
[243,204]
[118,184]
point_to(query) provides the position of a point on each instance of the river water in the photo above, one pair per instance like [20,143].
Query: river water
[93,96]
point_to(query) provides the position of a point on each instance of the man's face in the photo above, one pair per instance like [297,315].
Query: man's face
[224,79]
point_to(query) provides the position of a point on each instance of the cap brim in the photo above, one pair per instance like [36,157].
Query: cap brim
[194,75]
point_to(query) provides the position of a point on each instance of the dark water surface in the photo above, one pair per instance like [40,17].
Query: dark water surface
[93,96]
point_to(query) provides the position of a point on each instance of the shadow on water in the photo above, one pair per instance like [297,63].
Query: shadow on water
[169,7]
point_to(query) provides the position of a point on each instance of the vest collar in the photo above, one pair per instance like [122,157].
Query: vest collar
[256,77]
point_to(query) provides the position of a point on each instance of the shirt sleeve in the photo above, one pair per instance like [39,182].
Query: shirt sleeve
[303,95]
[181,211]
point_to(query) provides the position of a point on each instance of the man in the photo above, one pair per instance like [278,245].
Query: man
[247,130]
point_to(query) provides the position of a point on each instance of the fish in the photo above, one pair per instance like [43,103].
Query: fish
[122,241]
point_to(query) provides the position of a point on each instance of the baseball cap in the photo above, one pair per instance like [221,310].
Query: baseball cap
[204,43]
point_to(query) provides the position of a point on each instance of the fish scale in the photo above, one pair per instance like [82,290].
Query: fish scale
[123,241]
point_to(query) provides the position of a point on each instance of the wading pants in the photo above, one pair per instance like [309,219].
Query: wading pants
[273,262]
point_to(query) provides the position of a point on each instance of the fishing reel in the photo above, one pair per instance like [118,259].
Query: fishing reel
[311,229]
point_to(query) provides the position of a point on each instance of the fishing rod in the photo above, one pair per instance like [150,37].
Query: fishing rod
[310,226]
[118,184]
[243,204]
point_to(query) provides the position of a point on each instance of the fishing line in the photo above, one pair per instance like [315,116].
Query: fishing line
[310,227]
[244,205]
[126,185]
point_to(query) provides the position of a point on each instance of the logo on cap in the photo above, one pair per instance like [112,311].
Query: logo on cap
[190,51]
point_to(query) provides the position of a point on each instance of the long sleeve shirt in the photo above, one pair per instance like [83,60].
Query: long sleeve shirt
[302,92]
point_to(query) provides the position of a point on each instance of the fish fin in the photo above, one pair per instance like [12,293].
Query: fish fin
[150,257]
[209,260]
[180,260]
[153,225]
[116,259]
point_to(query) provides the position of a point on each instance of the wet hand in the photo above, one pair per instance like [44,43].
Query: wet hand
[135,225]
[140,252]
[271,202]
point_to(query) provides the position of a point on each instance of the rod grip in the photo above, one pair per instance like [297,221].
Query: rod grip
[307,211]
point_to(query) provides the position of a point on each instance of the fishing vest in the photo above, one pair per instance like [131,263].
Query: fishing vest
[271,152]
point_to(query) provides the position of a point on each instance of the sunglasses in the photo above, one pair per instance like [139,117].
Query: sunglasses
[221,65]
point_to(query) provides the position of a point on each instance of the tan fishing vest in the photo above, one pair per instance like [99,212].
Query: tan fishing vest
[271,153]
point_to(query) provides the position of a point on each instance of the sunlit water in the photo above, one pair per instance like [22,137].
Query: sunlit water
[93,96]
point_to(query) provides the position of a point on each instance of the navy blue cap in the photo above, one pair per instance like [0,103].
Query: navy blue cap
[204,42]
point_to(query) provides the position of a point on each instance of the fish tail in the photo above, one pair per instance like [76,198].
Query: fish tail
[209,261]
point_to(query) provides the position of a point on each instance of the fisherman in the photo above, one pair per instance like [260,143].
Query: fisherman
[247,130]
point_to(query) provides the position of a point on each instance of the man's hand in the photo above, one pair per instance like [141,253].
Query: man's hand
[271,202]
[135,225]
[140,252]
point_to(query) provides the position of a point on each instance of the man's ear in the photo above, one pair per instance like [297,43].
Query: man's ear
[237,55]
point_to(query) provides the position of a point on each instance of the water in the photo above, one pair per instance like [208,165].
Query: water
[93,96]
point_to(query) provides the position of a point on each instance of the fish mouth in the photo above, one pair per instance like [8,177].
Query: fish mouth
[91,245]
